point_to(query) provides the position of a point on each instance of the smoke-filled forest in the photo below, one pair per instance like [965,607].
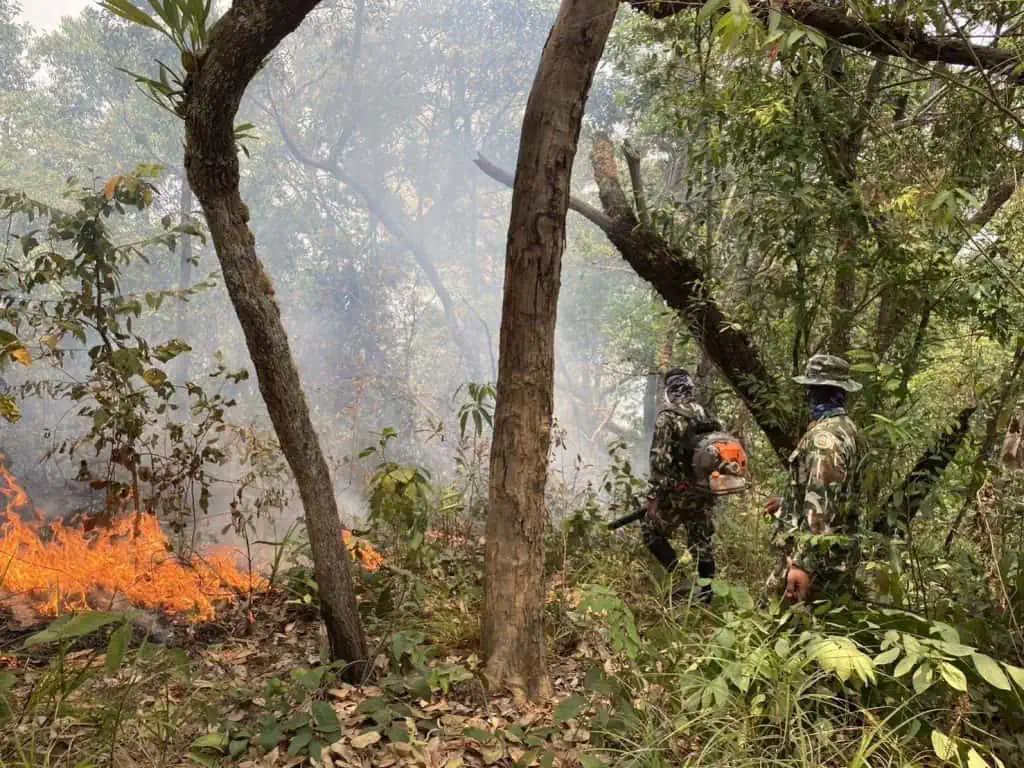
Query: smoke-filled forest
[511,383]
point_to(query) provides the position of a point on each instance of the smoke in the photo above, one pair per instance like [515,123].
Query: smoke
[384,242]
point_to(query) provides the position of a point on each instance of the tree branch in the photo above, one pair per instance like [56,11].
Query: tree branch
[882,38]
[397,223]
[636,179]
[680,282]
[586,210]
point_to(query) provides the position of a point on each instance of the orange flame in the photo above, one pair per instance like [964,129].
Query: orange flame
[363,552]
[71,569]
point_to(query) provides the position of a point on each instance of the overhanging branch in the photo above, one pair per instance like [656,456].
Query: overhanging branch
[881,38]
[679,281]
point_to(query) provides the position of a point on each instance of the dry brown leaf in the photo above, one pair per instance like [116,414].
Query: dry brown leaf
[364,740]
[111,187]
[51,339]
[345,755]
[21,355]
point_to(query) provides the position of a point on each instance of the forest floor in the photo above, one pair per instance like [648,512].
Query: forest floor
[248,689]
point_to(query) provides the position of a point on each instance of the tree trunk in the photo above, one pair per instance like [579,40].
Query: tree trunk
[513,630]
[239,43]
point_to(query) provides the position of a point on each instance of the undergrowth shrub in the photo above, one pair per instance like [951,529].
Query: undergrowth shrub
[833,685]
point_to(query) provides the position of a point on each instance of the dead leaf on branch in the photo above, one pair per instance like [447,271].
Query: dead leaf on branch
[21,355]
[111,187]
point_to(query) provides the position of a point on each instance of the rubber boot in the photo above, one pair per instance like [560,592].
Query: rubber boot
[661,548]
[705,570]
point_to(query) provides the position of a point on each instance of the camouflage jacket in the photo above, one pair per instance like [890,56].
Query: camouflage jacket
[671,462]
[817,524]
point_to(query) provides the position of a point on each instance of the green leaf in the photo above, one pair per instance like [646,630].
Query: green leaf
[954,677]
[237,747]
[9,410]
[116,648]
[154,377]
[300,741]
[76,626]
[923,678]
[404,642]
[816,38]
[944,746]
[271,736]
[954,649]
[216,741]
[742,599]
[842,656]
[325,717]
[167,352]
[974,760]
[905,666]
[990,671]
[710,7]
[590,761]
[887,657]
[478,734]
[1016,673]
[129,12]
[569,708]
[782,647]
[127,360]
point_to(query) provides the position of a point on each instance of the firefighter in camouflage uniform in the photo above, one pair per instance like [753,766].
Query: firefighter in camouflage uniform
[817,525]
[673,502]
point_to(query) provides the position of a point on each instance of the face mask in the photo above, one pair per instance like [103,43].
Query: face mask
[824,399]
[679,389]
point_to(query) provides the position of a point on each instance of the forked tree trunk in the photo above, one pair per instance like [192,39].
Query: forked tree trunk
[513,628]
[240,42]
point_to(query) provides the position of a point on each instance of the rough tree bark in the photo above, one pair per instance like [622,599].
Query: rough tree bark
[512,628]
[239,43]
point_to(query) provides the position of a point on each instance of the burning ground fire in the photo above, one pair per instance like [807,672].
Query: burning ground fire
[74,571]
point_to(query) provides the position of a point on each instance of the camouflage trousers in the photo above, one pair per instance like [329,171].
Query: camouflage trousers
[830,582]
[692,513]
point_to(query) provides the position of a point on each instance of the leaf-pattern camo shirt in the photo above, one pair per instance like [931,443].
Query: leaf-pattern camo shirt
[818,525]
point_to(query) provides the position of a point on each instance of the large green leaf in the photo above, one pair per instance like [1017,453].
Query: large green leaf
[887,657]
[923,678]
[129,12]
[991,672]
[953,676]
[74,627]
[116,648]
[569,707]
[1016,673]
[905,666]
[944,746]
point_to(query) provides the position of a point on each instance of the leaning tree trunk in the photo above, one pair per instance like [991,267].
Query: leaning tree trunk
[240,42]
[513,629]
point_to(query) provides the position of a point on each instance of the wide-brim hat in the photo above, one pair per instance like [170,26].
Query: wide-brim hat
[828,371]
